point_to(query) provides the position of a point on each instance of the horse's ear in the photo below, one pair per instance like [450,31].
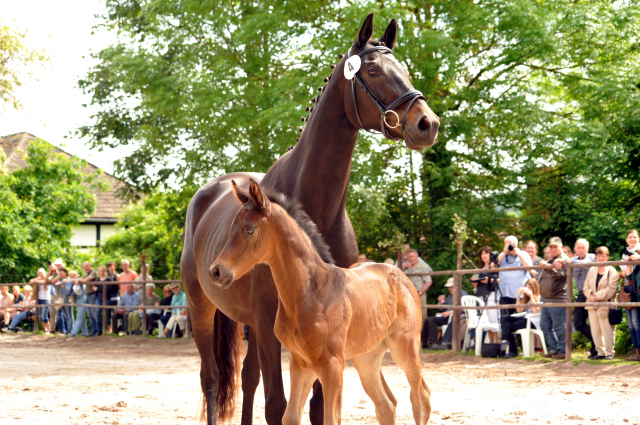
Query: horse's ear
[241,194]
[389,36]
[366,31]
[258,197]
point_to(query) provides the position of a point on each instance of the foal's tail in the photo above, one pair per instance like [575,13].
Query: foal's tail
[227,343]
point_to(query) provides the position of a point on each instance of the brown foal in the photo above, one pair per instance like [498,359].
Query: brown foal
[327,314]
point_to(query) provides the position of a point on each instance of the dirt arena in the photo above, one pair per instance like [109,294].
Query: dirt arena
[135,380]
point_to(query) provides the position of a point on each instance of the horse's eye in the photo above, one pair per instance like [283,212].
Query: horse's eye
[249,230]
[372,71]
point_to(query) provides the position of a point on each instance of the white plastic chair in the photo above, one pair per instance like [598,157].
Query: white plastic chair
[474,322]
[528,346]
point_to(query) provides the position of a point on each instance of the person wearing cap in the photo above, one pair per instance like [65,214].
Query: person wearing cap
[553,289]
[421,283]
[511,281]
[429,334]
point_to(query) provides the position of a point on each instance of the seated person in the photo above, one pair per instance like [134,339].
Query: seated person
[151,300]
[178,315]
[430,329]
[6,300]
[25,312]
[530,294]
[128,299]
[17,299]
[165,303]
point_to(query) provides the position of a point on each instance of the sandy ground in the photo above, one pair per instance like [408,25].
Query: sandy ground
[134,380]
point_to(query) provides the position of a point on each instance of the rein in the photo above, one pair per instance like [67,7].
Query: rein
[385,111]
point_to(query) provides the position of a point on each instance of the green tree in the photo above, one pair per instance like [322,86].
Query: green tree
[13,55]
[39,206]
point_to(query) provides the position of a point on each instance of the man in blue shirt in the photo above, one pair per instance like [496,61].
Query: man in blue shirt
[128,299]
[509,282]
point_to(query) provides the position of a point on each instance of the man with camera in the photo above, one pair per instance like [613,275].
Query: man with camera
[510,281]
[553,289]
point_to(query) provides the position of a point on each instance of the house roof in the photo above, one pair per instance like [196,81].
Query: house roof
[108,205]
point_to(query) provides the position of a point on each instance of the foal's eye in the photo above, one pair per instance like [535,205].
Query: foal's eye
[372,71]
[249,230]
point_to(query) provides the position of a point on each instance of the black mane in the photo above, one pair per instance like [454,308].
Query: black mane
[295,211]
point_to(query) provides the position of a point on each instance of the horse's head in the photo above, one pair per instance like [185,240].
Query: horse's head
[379,96]
[247,244]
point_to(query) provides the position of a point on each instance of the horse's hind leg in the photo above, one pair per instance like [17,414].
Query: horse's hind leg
[369,369]
[405,350]
[250,378]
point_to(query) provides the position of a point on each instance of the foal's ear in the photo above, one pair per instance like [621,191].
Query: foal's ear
[241,194]
[258,197]
[366,31]
[389,36]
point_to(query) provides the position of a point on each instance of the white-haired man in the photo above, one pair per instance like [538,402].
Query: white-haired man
[510,281]
[580,315]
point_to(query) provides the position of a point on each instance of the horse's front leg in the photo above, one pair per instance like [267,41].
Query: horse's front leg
[302,377]
[264,302]
[250,378]
[330,375]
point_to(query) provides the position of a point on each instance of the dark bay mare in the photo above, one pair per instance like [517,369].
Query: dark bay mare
[316,174]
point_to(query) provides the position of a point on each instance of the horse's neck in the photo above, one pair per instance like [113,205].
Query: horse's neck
[317,171]
[294,262]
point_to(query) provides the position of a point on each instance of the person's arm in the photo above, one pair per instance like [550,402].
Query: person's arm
[524,257]
[519,300]
[612,286]
[536,310]
[446,314]
[588,281]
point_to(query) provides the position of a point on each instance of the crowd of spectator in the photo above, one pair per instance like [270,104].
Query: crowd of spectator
[543,286]
[59,286]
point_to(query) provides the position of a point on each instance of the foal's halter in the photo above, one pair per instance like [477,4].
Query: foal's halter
[385,111]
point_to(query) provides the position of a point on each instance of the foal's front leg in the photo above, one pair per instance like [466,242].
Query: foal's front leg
[302,378]
[330,375]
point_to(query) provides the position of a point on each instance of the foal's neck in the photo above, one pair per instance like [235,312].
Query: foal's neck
[295,263]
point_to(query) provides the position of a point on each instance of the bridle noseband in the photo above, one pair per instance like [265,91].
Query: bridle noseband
[385,111]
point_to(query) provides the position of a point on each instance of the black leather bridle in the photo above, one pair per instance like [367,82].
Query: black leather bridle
[412,95]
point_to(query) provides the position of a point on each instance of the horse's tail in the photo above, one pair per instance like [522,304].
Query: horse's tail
[227,343]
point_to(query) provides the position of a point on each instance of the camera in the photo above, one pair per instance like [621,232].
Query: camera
[627,252]
[510,247]
[493,257]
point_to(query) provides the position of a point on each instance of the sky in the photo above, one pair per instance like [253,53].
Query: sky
[51,100]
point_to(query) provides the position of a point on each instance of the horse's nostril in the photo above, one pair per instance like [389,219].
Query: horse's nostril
[423,125]
[216,273]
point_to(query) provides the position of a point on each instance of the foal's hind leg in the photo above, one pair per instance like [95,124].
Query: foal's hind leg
[405,350]
[250,378]
[369,369]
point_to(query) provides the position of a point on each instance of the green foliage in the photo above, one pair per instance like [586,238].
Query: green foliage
[623,338]
[13,54]
[153,226]
[39,206]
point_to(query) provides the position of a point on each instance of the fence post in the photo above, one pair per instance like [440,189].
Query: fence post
[569,298]
[36,326]
[144,296]
[104,310]
[457,287]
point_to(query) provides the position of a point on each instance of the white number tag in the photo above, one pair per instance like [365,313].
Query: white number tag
[352,66]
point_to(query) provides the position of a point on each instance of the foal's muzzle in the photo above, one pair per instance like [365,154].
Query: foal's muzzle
[220,275]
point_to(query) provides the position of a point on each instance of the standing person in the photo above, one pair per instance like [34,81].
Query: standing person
[362,258]
[78,289]
[601,284]
[421,283]
[580,315]
[66,288]
[103,276]
[143,277]
[510,281]
[532,249]
[178,315]
[127,275]
[112,291]
[485,284]
[90,292]
[54,279]
[44,298]
[567,251]
[530,294]
[553,288]
[631,280]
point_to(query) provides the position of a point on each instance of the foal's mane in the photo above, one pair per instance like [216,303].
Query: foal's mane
[295,211]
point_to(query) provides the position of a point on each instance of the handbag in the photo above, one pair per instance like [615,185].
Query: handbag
[615,316]
[491,350]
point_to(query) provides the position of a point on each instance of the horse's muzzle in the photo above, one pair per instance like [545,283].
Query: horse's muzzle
[220,276]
